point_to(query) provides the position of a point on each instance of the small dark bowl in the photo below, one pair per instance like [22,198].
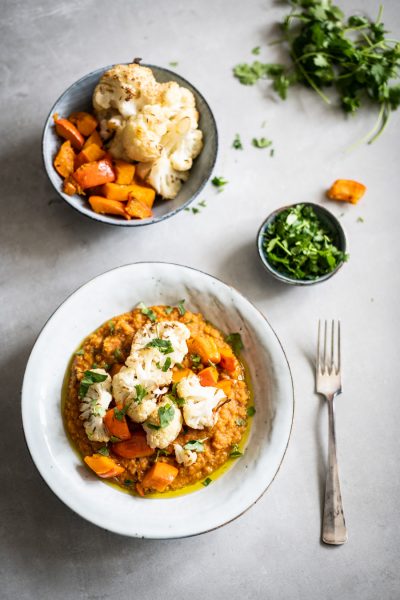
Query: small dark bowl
[328,219]
[79,97]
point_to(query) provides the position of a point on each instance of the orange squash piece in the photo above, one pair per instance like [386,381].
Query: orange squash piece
[108,207]
[225,385]
[124,172]
[115,191]
[94,138]
[206,348]
[64,161]
[89,153]
[135,447]
[346,190]
[84,121]
[118,427]
[179,374]
[103,466]
[94,173]
[138,209]
[228,361]
[159,477]
[68,131]
[208,376]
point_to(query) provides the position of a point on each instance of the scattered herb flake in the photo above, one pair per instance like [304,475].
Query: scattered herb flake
[147,312]
[80,352]
[251,411]
[181,308]
[360,220]
[103,451]
[235,452]
[196,359]
[237,143]
[203,204]
[111,326]
[114,439]
[207,481]
[128,482]
[166,414]
[173,63]
[256,50]
[166,365]
[118,354]
[141,392]
[219,182]
[89,378]
[168,309]
[272,152]
[194,445]
[195,210]
[94,366]
[235,341]
[164,346]
[261,142]
[119,413]
[240,422]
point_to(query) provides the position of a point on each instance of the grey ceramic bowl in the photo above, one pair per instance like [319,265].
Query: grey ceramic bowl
[332,224]
[79,97]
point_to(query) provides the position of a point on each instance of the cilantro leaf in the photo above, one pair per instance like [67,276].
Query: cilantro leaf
[237,143]
[166,365]
[261,142]
[141,392]
[219,182]
[181,308]
[195,445]
[88,379]
[207,481]
[256,50]
[80,352]
[147,312]
[103,451]
[164,346]
[235,452]
[251,411]
[165,414]
[235,341]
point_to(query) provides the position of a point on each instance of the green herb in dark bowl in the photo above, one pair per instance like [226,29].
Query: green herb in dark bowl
[302,244]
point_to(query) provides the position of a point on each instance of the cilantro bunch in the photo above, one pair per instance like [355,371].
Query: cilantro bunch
[351,55]
[299,245]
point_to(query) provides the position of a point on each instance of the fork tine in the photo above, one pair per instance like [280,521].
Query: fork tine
[325,345]
[332,366]
[338,363]
[318,347]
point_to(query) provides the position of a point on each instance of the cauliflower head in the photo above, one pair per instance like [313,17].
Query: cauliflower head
[200,402]
[163,425]
[94,406]
[185,457]
[142,134]
[166,339]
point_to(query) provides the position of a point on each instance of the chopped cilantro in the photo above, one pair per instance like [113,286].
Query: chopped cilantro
[114,439]
[240,422]
[261,142]
[207,481]
[235,452]
[147,312]
[119,413]
[251,411]
[237,143]
[94,366]
[128,482]
[89,378]
[164,346]
[166,365]
[203,204]
[181,308]
[301,246]
[256,50]
[195,210]
[173,63]
[141,392]
[360,220]
[80,352]
[219,182]
[168,309]
[118,354]
[195,445]
[165,414]
[235,341]
[161,452]
[272,152]
[103,451]
[111,326]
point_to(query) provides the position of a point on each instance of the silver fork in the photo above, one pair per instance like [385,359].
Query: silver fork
[328,383]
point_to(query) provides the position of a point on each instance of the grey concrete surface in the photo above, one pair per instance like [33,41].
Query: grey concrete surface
[273,551]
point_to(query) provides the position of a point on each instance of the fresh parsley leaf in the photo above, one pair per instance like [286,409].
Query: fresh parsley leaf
[128,482]
[240,422]
[118,355]
[119,413]
[166,365]
[207,481]
[173,63]
[219,182]
[111,326]
[181,308]
[272,152]
[203,204]
[195,210]
[141,392]
[147,312]
[88,379]
[165,414]
[235,341]
[103,451]
[235,452]
[256,50]
[301,246]
[94,366]
[251,411]
[114,439]
[196,359]
[195,445]
[80,352]
[168,309]
[237,143]
[164,346]
[261,142]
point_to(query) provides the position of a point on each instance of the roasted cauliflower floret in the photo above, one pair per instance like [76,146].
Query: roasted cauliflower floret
[142,134]
[184,457]
[94,406]
[183,141]
[163,425]
[166,339]
[200,402]
[160,174]
[139,394]
[175,98]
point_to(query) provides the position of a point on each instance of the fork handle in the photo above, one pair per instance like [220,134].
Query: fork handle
[334,527]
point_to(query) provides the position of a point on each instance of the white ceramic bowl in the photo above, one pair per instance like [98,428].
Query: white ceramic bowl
[118,291]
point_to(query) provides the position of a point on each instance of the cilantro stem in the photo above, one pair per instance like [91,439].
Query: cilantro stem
[310,81]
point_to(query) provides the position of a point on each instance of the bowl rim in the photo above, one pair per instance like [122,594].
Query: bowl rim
[286,278]
[220,281]
[107,219]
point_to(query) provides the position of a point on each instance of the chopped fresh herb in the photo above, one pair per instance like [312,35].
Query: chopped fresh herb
[128,482]
[164,346]
[360,220]
[240,422]
[301,246]
[195,445]
[196,359]
[237,143]
[106,366]
[168,309]
[261,142]
[187,209]
[256,50]
[114,439]
[195,210]
[272,152]
[176,399]
[207,481]
[203,204]
[235,341]
[118,354]
[148,312]
[235,452]
[352,56]
[165,414]
[179,366]
[181,308]
[161,452]
[141,392]
[166,365]
[251,411]
[89,378]
[111,326]
[219,182]
[119,413]
[94,366]
[173,63]
[80,352]
[104,451]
